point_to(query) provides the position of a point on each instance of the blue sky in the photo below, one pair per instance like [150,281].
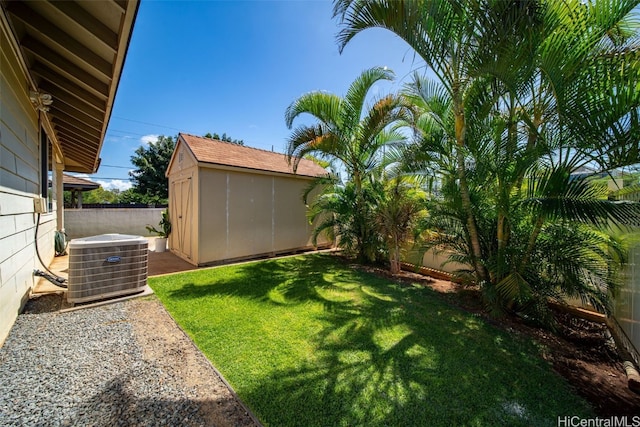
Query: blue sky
[234,67]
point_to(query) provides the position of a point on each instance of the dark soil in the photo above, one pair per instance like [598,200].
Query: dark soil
[580,350]
[45,303]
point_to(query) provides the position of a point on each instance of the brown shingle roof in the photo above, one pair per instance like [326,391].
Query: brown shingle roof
[225,153]
[71,182]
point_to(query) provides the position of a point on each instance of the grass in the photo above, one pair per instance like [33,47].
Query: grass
[308,341]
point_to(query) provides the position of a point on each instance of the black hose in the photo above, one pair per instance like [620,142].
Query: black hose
[54,278]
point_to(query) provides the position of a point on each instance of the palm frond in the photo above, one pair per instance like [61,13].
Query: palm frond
[558,195]
[316,139]
[354,100]
[325,107]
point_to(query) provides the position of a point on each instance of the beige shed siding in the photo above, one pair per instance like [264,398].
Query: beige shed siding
[245,202]
[290,214]
[246,214]
[212,235]
[19,178]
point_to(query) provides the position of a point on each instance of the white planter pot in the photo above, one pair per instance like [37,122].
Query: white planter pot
[161,244]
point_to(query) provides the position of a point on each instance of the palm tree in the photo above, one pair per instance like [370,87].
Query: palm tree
[556,243]
[400,206]
[348,131]
[334,212]
[451,37]
[529,90]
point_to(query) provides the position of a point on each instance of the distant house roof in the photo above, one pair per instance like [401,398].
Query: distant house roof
[217,152]
[70,182]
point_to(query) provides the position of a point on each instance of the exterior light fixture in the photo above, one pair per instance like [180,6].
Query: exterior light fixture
[40,100]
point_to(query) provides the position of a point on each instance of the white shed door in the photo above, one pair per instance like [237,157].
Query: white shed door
[181,216]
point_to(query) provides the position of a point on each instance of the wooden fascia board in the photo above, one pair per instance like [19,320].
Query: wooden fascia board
[130,13]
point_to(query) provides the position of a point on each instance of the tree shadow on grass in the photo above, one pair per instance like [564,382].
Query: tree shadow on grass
[282,282]
[389,354]
[437,374]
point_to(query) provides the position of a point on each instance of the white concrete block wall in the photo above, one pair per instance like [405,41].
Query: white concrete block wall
[435,260]
[92,222]
[627,303]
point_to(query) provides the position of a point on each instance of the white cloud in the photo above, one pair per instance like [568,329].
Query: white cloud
[150,139]
[118,184]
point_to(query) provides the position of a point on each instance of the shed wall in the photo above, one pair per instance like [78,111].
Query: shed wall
[19,178]
[245,214]
[183,204]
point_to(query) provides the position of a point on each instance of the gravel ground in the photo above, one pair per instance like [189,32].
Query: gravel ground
[123,364]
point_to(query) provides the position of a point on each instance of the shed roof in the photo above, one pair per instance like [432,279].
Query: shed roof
[217,152]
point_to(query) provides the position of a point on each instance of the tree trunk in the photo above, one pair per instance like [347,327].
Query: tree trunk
[394,256]
[532,242]
[476,249]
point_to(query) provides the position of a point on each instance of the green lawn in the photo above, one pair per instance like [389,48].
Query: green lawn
[307,341]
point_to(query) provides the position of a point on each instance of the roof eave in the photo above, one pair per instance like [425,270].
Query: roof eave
[74,52]
[128,23]
[213,165]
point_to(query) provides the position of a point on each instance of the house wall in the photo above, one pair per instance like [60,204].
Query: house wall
[248,214]
[19,184]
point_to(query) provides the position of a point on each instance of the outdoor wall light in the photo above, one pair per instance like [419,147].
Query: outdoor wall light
[40,100]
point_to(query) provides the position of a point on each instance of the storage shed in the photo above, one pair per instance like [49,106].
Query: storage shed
[230,202]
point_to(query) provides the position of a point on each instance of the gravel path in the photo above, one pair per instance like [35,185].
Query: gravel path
[121,364]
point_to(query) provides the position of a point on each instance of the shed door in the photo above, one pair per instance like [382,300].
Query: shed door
[181,217]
